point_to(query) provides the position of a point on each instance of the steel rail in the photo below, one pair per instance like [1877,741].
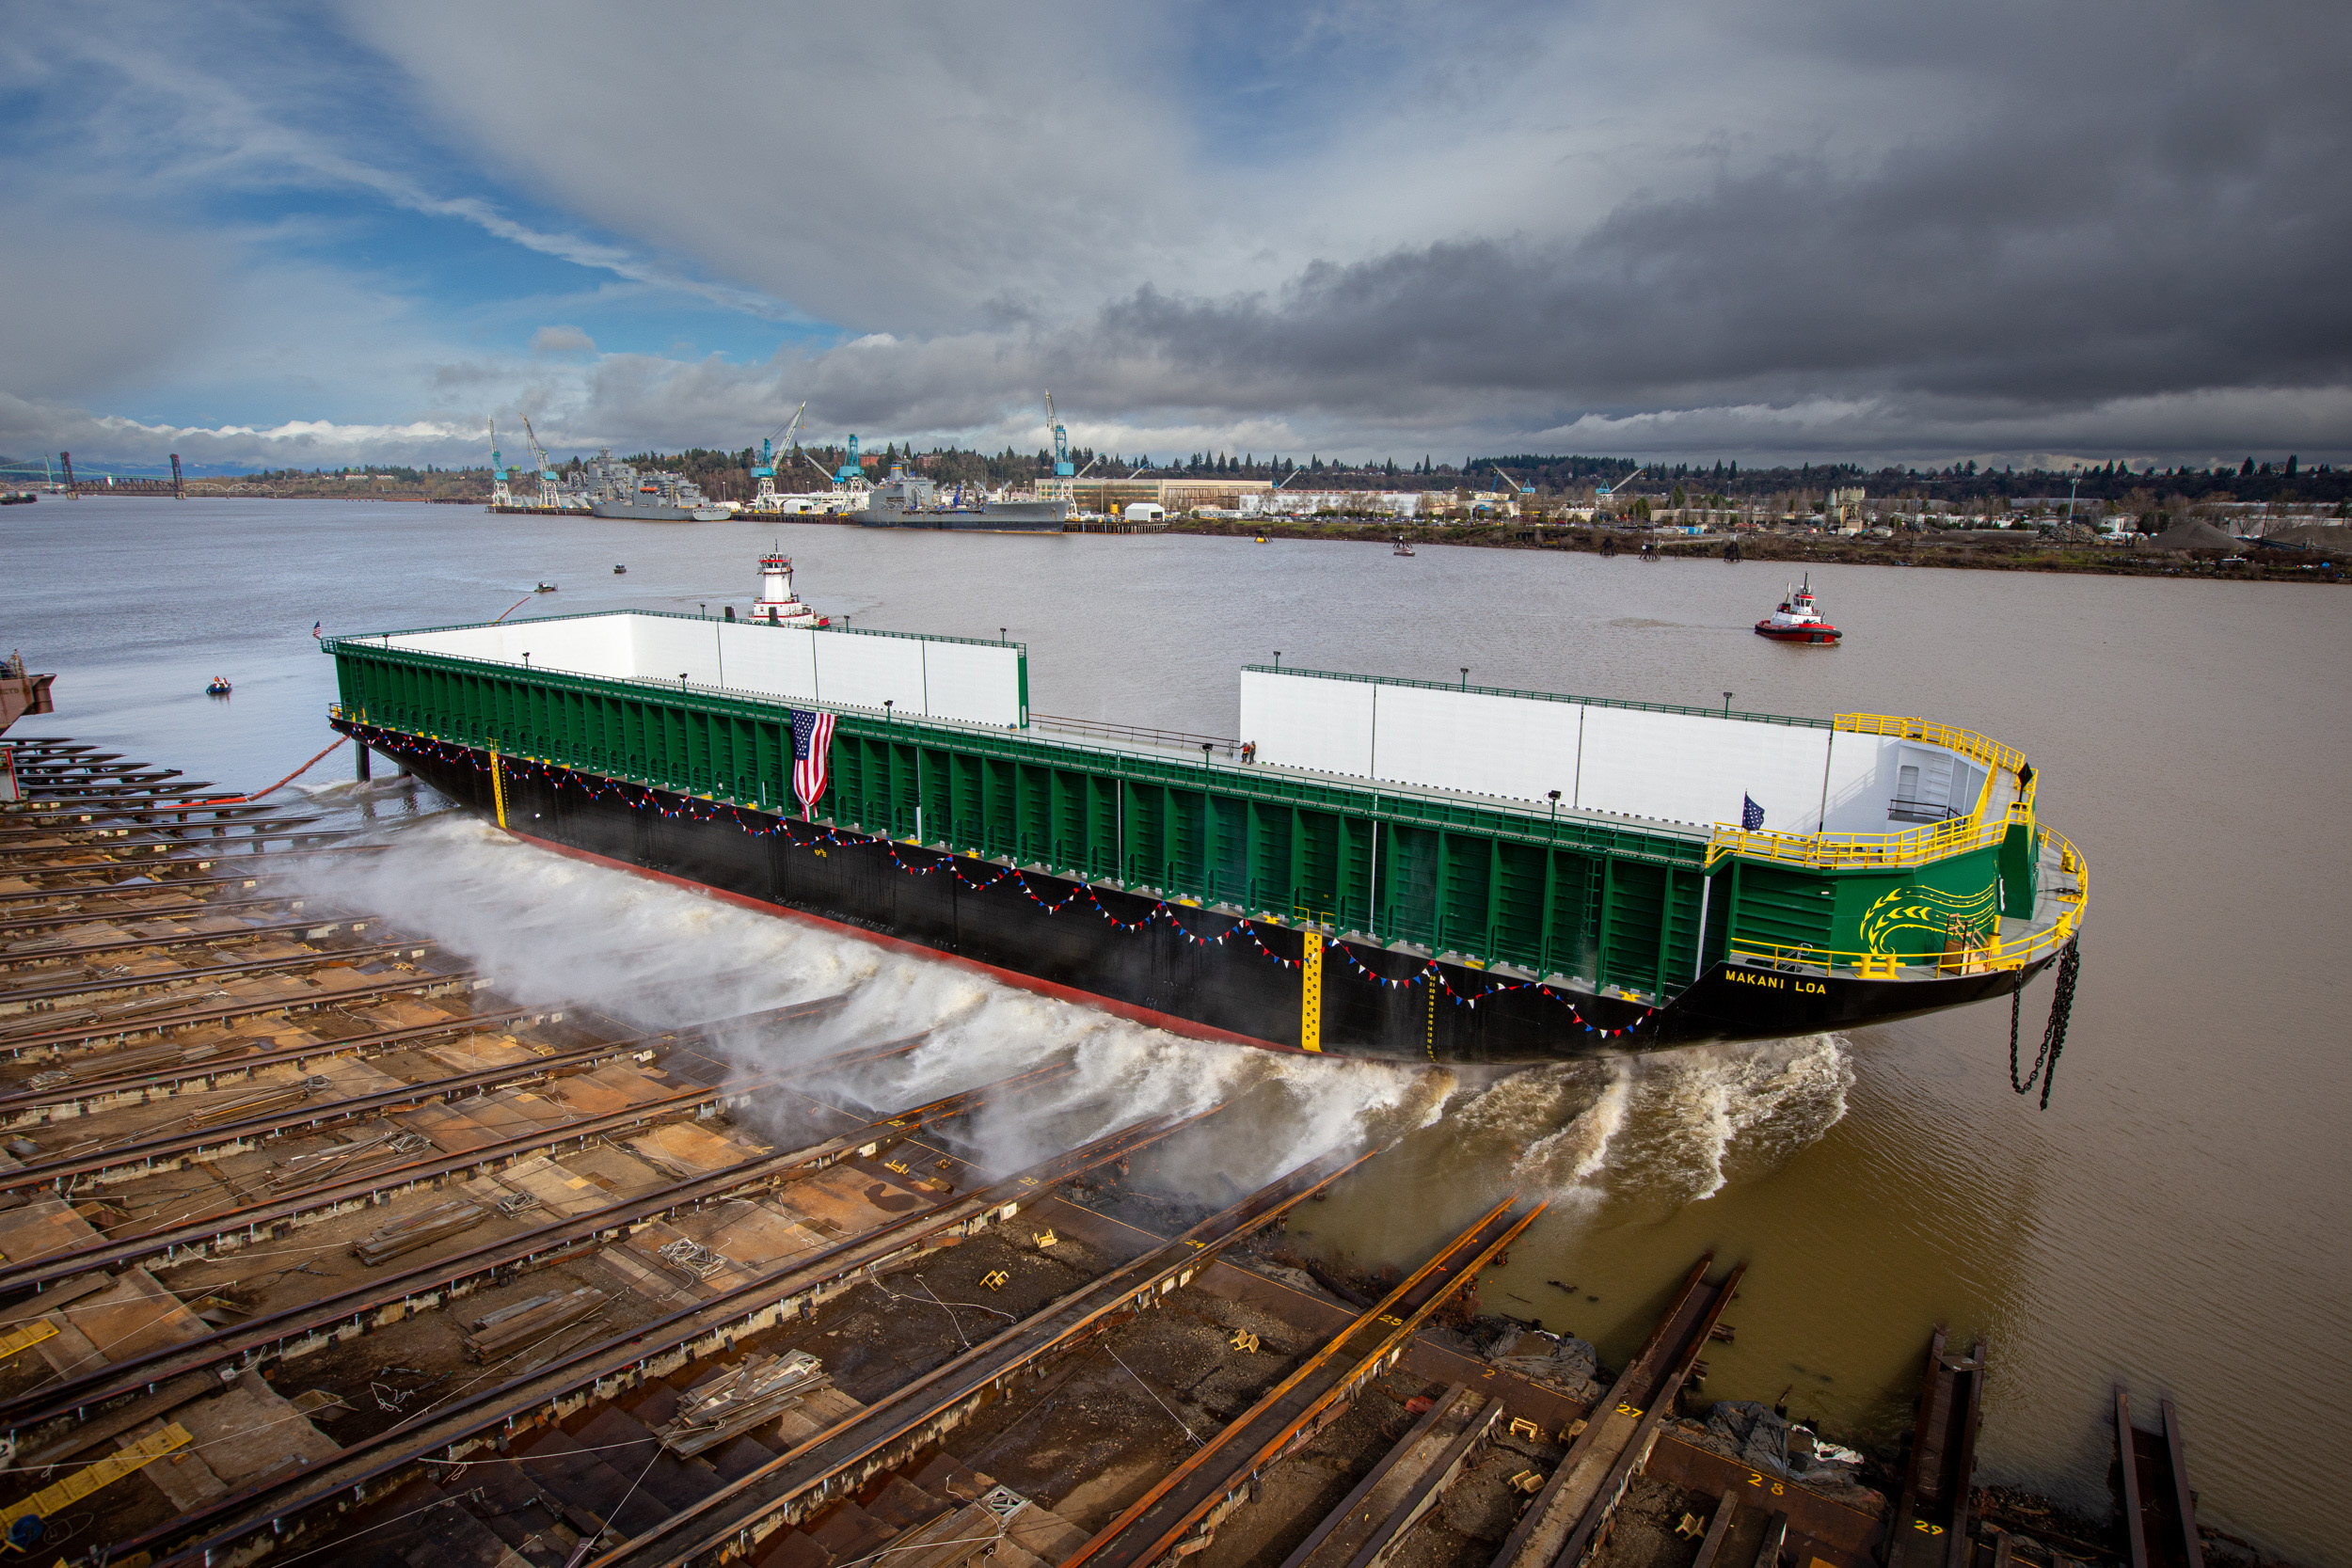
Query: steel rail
[114,822]
[1649,1403]
[398,1296]
[144,811]
[795,1484]
[271,1217]
[153,790]
[1411,1479]
[316,925]
[1291,1412]
[169,1151]
[1523,1544]
[254,1223]
[413,947]
[112,781]
[365,1471]
[95,808]
[41,1107]
[77,916]
[220,842]
[39,812]
[93,1031]
[24,1106]
[197,863]
[136,889]
[109,765]
[145,835]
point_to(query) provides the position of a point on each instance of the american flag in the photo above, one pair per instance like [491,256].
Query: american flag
[1751,814]
[812,743]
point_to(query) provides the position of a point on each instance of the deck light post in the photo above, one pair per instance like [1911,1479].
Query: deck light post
[888,703]
[526,662]
[1206,891]
[1555,814]
[1466,677]
[1726,704]
[704,605]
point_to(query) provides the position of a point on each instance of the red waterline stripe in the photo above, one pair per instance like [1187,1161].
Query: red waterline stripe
[1155,1019]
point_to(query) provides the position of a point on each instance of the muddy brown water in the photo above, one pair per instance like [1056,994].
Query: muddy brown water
[2174,1221]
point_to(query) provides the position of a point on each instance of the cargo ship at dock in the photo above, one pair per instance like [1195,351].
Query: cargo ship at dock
[1375,866]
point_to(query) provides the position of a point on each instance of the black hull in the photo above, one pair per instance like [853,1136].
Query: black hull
[1129,954]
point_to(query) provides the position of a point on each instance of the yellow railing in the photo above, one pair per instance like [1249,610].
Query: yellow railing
[1968,743]
[1976,958]
[1906,847]
[1993,952]
[1911,847]
[2070,863]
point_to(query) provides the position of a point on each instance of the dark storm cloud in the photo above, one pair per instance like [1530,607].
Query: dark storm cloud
[2127,240]
[1821,227]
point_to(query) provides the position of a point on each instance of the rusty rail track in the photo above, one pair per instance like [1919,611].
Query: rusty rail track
[2159,1510]
[836,1462]
[74,914]
[151,887]
[399,1296]
[310,928]
[1575,1506]
[406,948]
[35,1106]
[1214,1480]
[290,1509]
[127,1025]
[1929,1525]
[255,1223]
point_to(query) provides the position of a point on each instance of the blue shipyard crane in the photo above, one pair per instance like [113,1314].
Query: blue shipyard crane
[853,472]
[499,495]
[766,471]
[1064,485]
[550,491]
[1522,489]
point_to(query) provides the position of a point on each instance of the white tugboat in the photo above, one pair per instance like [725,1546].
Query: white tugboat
[778,605]
[1797,620]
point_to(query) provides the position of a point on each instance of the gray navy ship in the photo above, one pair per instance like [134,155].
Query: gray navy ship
[906,500]
[616,489]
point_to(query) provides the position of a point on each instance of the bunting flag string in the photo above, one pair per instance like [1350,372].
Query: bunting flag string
[687,808]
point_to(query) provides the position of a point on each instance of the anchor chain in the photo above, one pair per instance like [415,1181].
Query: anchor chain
[2053,1034]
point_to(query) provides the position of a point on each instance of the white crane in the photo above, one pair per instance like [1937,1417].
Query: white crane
[1602,492]
[1522,489]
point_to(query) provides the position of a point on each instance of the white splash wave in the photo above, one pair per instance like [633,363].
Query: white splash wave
[546,928]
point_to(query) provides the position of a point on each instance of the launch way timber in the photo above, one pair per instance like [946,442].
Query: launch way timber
[1384,879]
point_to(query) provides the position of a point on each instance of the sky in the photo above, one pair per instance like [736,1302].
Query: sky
[1763,231]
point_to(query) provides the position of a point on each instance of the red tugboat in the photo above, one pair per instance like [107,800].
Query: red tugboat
[1797,621]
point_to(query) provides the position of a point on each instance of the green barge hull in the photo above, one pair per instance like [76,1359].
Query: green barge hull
[1278,906]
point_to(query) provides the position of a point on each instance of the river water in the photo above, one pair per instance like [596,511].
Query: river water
[2175,1222]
